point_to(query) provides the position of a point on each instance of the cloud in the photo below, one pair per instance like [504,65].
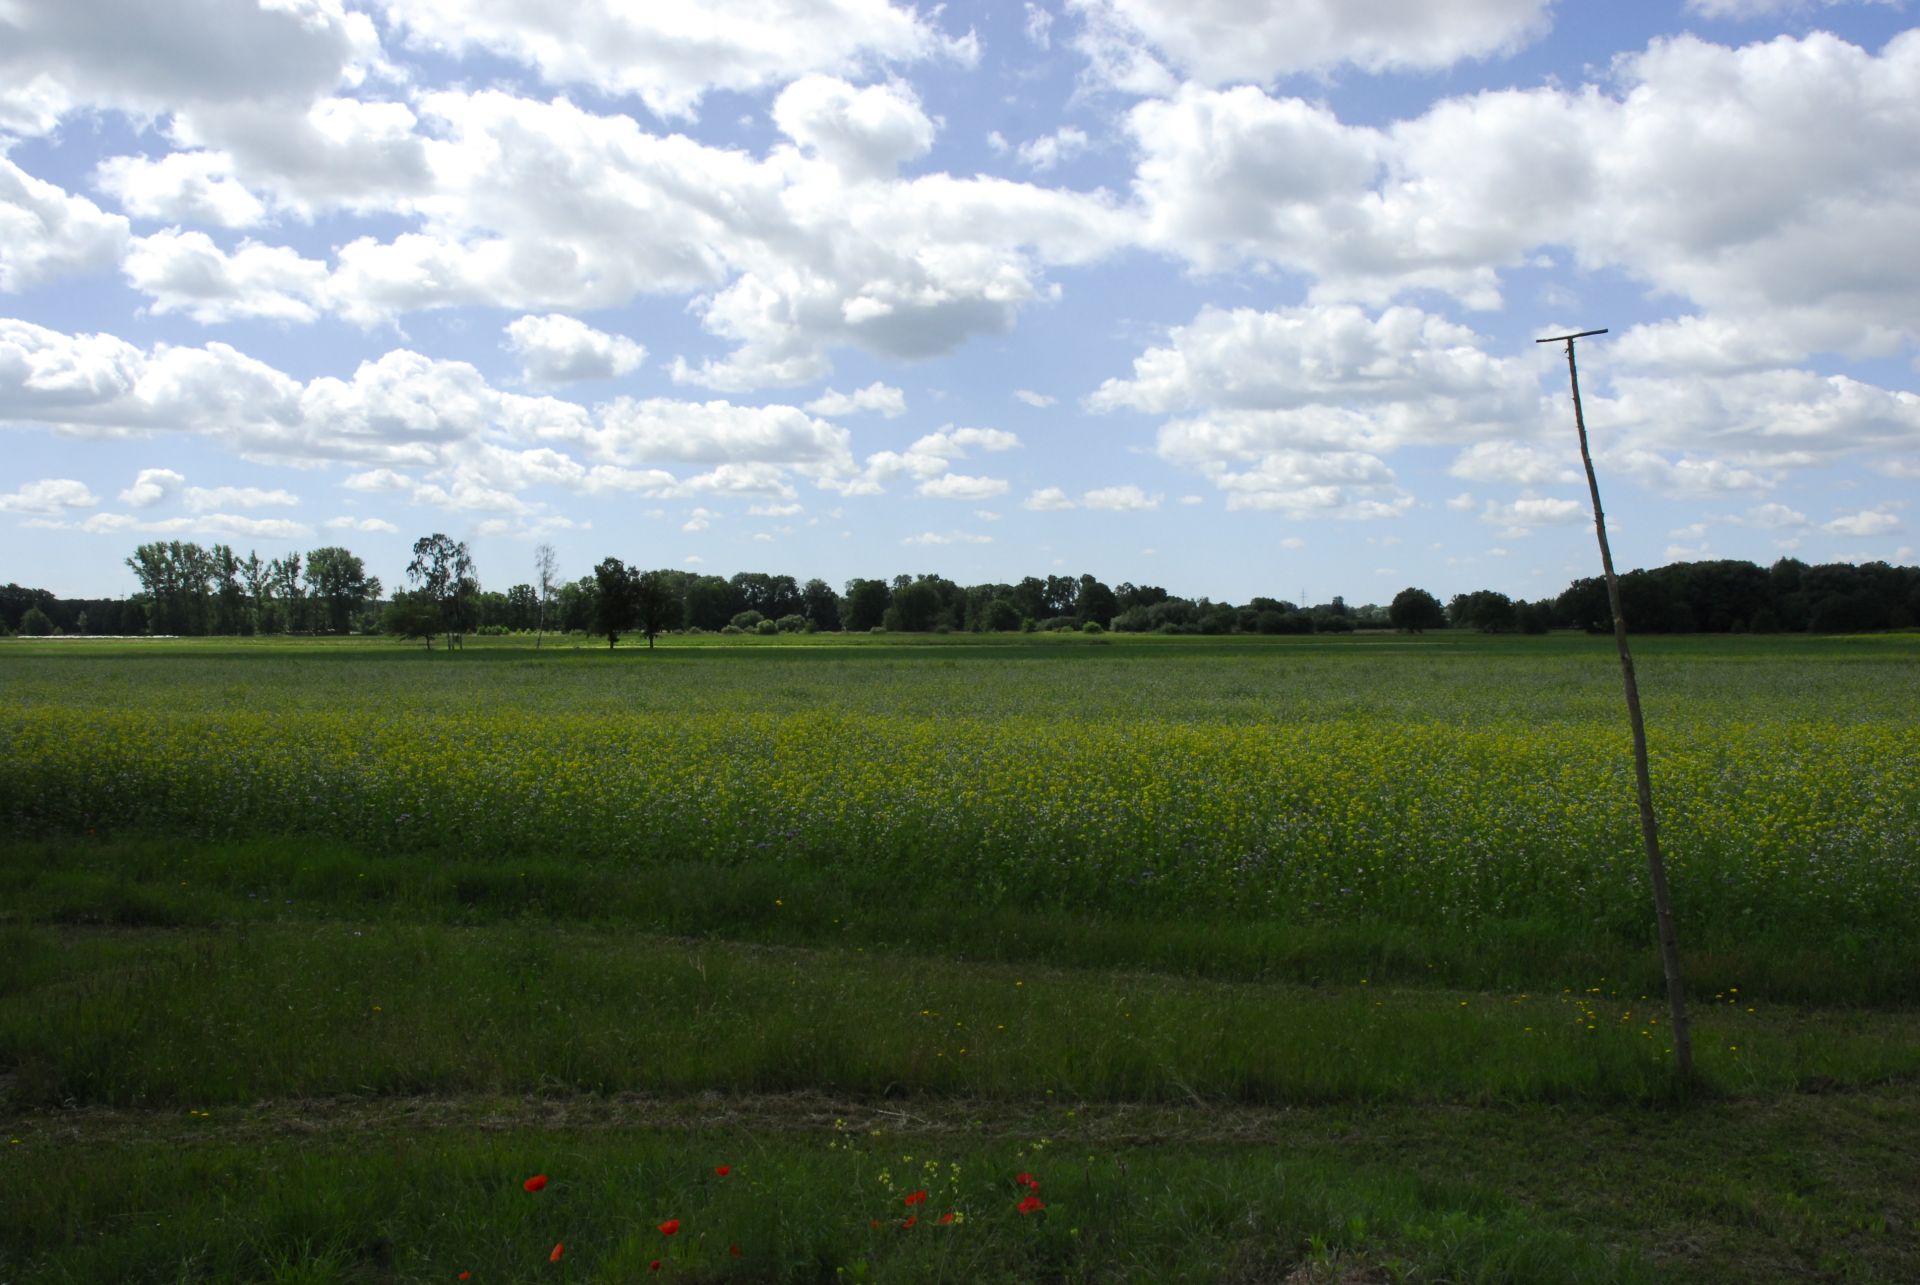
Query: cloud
[1331,375]
[671,58]
[1120,499]
[1749,10]
[660,430]
[556,349]
[949,537]
[186,272]
[1520,463]
[1685,478]
[1047,499]
[1867,523]
[1039,25]
[959,486]
[863,133]
[160,55]
[1222,41]
[1049,150]
[1716,175]
[699,520]
[1038,400]
[151,486]
[1758,419]
[202,499]
[1775,517]
[1294,409]
[371,526]
[435,429]
[928,458]
[1524,516]
[49,497]
[47,234]
[204,524]
[180,187]
[774,510]
[877,397]
[379,479]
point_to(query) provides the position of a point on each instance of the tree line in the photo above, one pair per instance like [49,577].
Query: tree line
[190,590]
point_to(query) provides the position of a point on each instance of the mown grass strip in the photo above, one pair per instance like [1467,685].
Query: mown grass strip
[1751,1190]
[149,881]
[196,1017]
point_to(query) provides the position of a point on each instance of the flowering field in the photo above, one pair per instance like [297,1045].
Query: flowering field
[1441,785]
[1059,959]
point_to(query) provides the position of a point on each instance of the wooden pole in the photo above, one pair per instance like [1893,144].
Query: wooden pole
[1643,781]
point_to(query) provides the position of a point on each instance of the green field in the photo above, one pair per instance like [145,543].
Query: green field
[1271,959]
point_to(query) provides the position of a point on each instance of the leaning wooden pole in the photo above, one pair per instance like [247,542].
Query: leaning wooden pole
[1643,780]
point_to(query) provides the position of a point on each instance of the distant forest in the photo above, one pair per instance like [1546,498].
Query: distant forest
[187,589]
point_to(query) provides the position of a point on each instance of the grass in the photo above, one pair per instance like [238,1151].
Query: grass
[1796,1188]
[251,1030]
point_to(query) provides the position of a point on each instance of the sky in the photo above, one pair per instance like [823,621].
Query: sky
[1238,297]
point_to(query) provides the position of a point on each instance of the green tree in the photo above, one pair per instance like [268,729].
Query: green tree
[1415,611]
[822,605]
[339,585]
[656,605]
[35,623]
[616,599]
[523,607]
[865,604]
[1096,602]
[284,573]
[443,570]
[546,569]
[412,614]
[1487,610]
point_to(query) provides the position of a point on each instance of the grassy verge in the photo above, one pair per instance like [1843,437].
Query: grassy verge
[193,1017]
[174,882]
[1794,1188]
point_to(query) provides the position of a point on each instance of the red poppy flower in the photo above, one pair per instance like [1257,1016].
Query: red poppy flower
[1027,1180]
[946,1217]
[916,1198]
[536,1182]
[723,1170]
[654,1266]
[558,1250]
[734,1250]
[911,1221]
[670,1226]
[466,1276]
[874,1223]
[1030,1204]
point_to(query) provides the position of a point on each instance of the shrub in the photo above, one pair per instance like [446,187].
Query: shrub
[733,631]
[789,624]
[1092,627]
[748,619]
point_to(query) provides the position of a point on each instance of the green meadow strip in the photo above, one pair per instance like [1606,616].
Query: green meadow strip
[199,1017]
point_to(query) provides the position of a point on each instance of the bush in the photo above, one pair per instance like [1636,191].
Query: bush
[1092,627]
[34,623]
[790,624]
[766,628]
[732,631]
[746,620]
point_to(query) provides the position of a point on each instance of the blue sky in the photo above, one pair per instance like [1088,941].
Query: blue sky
[1233,297]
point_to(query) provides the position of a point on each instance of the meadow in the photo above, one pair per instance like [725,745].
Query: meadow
[1265,958]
